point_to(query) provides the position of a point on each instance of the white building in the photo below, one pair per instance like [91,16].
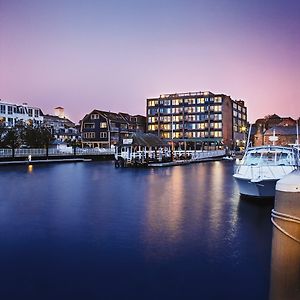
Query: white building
[11,114]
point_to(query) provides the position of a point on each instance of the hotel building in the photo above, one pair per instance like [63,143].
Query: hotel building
[12,114]
[197,118]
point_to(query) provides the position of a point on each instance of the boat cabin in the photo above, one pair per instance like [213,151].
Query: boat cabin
[272,155]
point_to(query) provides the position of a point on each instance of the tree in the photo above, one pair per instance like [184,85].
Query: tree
[11,138]
[45,138]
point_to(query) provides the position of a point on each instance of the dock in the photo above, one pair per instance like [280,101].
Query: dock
[42,161]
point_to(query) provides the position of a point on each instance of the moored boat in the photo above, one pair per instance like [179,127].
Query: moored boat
[261,167]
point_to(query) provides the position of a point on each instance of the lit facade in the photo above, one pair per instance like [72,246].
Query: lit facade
[197,118]
[12,114]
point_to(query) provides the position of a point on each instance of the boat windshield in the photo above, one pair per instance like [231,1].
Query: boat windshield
[267,158]
[252,158]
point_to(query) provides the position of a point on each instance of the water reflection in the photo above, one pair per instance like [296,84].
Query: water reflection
[164,211]
[30,168]
[190,201]
[177,229]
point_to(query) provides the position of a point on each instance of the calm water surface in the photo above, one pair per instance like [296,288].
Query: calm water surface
[90,231]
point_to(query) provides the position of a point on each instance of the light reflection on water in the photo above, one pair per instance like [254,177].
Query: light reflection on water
[165,228]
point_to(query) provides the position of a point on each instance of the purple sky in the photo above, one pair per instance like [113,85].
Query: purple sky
[114,54]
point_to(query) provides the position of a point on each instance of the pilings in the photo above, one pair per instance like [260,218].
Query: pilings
[285,263]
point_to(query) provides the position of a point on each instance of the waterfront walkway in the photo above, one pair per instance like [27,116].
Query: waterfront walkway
[67,152]
[42,161]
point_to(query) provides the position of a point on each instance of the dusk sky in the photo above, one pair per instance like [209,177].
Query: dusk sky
[114,54]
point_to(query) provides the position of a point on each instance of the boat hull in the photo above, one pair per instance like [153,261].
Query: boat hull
[264,188]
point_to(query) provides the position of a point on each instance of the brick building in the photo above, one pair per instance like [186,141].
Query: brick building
[197,119]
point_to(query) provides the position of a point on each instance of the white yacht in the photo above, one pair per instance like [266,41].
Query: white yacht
[261,167]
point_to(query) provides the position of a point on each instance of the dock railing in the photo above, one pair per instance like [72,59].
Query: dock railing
[7,153]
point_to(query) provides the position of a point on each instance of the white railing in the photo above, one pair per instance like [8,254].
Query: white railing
[177,154]
[55,152]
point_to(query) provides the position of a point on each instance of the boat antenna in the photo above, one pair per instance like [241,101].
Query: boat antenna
[248,139]
[297,143]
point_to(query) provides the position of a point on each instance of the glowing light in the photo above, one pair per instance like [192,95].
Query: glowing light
[30,168]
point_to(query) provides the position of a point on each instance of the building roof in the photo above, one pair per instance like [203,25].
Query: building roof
[115,117]
[146,140]
[58,119]
[283,130]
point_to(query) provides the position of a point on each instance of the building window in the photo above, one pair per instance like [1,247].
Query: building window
[36,113]
[190,101]
[103,135]
[10,121]
[176,101]
[152,103]
[30,112]
[152,127]
[103,125]
[9,110]
[217,125]
[94,116]
[89,125]
[218,100]
[2,109]
[166,135]
[89,135]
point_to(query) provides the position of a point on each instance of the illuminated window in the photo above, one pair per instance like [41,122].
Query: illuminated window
[176,101]
[166,126]
[190,110]
[103,125]
[166,135]
[217,125]
[152,127]
[217,108]
[218,100]
[177,110]
[152,102]
[178,135]
[190,101]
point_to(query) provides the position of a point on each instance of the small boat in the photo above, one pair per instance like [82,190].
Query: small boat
[261,167]
[228,157]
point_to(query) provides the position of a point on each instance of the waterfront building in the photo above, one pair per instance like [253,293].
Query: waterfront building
[198,119]
[104,129]
[285,129]
[61,127]
[12,114]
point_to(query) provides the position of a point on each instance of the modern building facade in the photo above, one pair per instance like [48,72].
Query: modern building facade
[104,129]
[12,114]
[197,118]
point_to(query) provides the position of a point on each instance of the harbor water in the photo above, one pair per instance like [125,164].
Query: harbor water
[90,231]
